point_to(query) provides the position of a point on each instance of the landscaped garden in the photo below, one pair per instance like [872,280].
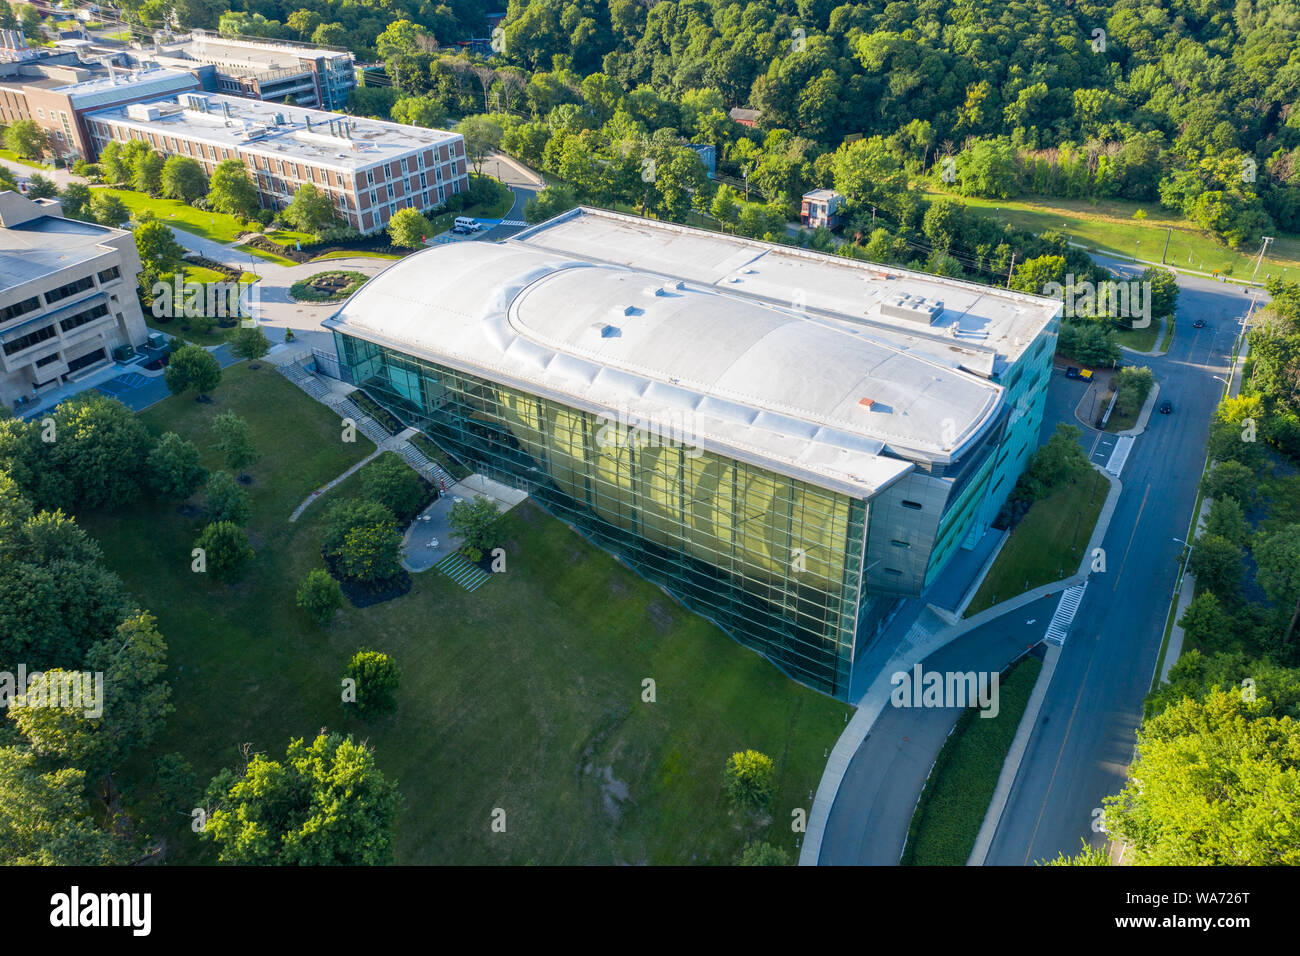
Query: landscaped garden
[526,695]
[217,226]
[332,286]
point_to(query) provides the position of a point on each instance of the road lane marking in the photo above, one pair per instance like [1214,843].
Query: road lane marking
[1136,521]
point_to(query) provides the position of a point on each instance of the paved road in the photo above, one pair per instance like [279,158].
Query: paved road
[1083,740]
[869,819]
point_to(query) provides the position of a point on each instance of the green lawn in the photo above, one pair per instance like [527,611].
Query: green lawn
[358,254]
[13,157]
[523,695]
[210,225]
[268,256]
[1141,340]
[1109,227]
[956,798]
[1048,544]
[288,237]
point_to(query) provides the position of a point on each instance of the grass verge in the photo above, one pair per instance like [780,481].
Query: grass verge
[1048,544]
[948,817]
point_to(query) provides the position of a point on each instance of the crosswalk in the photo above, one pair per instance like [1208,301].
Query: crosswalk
[1065,611]
[469,576]
[513,222]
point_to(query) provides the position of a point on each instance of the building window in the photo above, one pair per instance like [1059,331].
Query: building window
[19,308]
[914,505]
[81,318]
[900,544]
[28,340]
[72,288]
[894,571]
[108,275]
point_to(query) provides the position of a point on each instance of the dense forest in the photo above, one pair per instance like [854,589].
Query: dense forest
[1189,103]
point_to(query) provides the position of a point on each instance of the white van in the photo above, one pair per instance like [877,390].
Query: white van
[465,224]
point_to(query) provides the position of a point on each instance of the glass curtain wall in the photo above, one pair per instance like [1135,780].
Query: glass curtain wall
[773,560]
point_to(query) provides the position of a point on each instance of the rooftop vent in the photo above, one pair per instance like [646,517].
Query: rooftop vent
[610,332]
[866,403]
[912,308]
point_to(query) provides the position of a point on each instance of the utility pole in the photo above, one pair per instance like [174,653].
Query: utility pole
[873,217]
[1268,240]
[1166,248]
[1011,270]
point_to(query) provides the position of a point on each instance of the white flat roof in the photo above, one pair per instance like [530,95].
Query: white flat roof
[234,122]
[981,328]
[825,400]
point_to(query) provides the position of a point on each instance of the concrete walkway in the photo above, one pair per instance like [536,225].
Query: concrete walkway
[297,512]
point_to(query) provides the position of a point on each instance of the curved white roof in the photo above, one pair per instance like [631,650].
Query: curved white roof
[804,396]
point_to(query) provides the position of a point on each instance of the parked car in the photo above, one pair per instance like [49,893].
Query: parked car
[1198,324]
[1071,372]
[1166,407]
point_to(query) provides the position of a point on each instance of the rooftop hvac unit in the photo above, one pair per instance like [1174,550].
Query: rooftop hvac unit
[912,308]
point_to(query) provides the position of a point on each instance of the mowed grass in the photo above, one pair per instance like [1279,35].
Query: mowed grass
[957,794]
[355,254]
[1048,544]
[210,225]
[1109,227]
[525,695]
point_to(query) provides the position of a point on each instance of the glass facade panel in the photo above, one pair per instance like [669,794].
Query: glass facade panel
[774,561]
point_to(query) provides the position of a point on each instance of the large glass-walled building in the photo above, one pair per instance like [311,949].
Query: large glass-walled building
[777,470]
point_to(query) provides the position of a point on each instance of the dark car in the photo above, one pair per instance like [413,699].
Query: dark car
[1166,407]
[1198,324]
[1071,372]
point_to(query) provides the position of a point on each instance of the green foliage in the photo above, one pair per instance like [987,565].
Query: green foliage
[1230,479]
[1061,459]
[107,209]
[148,174]
[548,203]
[1215,782]
[1133,384]
[408,229]
[231,191]
[226,551]
[345,515]
[1088,855]
[482,135]
[764,854]
[1227,520]
[250,342]
[375,678]
[1216,564]
[234,440]
[41,187]
[394,484]
[1204,622]
[320,596]
[326,803]
[192,367]
[476,521]
[311,209]
[45,819]
[174,469]
[370,554]
[224,500]
[157,245]
[749,779]
[1277,554]
[27,138]
[183,178]
[86,453]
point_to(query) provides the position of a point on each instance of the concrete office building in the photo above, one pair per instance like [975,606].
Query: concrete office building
[67,297]
[260,69]
[809,438]
[370,168]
